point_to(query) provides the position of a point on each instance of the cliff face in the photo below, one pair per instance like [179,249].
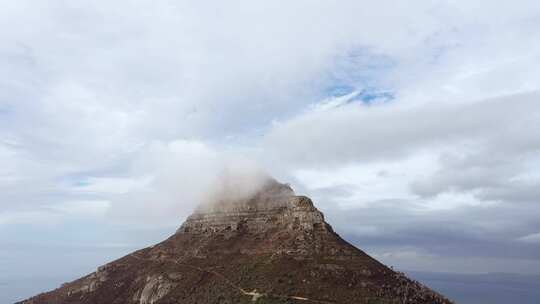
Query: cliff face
[269,247]
[274,207]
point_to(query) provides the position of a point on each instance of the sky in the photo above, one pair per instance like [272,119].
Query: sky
[414,126]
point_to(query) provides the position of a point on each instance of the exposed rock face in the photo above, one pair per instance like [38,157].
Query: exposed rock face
[156,287]
[274,207]
[270,247]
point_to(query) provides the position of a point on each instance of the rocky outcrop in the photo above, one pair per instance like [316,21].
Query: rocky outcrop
[291,212]
[156,287]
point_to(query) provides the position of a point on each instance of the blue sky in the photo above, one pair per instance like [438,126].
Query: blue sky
[413,126]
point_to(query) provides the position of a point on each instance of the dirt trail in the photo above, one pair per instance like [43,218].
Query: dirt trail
[254,294]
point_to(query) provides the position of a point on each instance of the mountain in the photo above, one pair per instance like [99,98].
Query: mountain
[269,247]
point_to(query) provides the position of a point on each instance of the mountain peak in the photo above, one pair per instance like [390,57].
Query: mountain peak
[273,206]
[265,245]
[266,193]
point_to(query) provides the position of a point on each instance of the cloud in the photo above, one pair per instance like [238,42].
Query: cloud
[55,214]
[179,176]
[115,118]
[110,185]
[35,217]
[434,178]
[355,133]
[83,208]
[531,238]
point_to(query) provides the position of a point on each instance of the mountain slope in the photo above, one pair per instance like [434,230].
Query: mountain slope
[270,247]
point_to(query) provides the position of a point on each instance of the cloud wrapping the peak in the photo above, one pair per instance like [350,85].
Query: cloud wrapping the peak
[414,126]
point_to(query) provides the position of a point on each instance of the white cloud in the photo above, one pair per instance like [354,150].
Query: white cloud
[56,214]
[531,238]
[362,133]
[111,185]
[136,107]
[28,217]
[90,209]
[333,102]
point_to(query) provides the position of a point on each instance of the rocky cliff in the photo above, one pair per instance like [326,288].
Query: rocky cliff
[270,247]
[275,207]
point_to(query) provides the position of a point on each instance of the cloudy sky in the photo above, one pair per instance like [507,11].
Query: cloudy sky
[415,126]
